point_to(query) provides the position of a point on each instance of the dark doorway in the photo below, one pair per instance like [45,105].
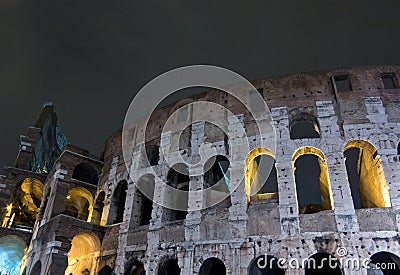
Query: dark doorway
[212,266]
[265,265]
[323,264]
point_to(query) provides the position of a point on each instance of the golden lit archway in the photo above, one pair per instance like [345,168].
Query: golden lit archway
[261,182]
[314,194]
[23,210]
[85,249]
[79,203]
[367,180]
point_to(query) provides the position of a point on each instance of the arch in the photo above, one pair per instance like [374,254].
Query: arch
[384,263]
[169,267]
[79,203]
[265,265]
[177,178]
[106,270]
[135,268]
[37,268]
[304,125]
[153,154]
[150,153]
[85,172]
[216,178]
[365,174]
[398,148]
[117,207]
[85,247]
[22,212]
[312,181]
[322,263]
[98,208]
[212,266]
[12,249]
[261,182]
[143,203]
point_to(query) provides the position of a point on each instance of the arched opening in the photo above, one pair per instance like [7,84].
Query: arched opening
[265,265]
[106,270]
[79,203]
[313,186]
[98,207]
[153,154]
[304,125]
[85,248]
[117,207]
[169,267]
[85,172]
[216,179]
[212,266]
[365,175]
[323,264]
[384,263]
[150,154]
[37,268]
[135,268]
[178,179]
[143,205]
[12,250]
[23,210]
[398,149]
[261,175]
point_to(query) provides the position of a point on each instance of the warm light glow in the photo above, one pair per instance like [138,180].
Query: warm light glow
[85,249]
[251,173]
[374,190]
[325,184]
[68,197]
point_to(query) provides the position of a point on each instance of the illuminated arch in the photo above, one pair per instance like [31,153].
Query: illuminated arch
[253,185]
[85,248]
[98,208]
[323,186]
[367,180]
[12,250]
[79,203]
[24,208]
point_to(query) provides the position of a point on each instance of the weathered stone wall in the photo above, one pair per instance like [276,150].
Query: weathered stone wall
[241,228]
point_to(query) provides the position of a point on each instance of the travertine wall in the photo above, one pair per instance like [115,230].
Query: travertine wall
[243,229]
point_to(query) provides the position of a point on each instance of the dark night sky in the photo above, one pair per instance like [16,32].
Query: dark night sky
[90,57]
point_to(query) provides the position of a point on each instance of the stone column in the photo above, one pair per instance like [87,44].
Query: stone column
[238,151]
[345,215]
[288,209]
[195,201]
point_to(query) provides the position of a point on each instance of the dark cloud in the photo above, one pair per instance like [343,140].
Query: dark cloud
[90,57]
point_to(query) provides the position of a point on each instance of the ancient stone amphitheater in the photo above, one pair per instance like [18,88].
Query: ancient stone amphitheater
[330,203]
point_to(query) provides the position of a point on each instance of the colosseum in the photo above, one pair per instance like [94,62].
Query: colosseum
[330,203]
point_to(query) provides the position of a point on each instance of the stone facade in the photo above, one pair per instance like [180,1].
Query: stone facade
[93,218]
